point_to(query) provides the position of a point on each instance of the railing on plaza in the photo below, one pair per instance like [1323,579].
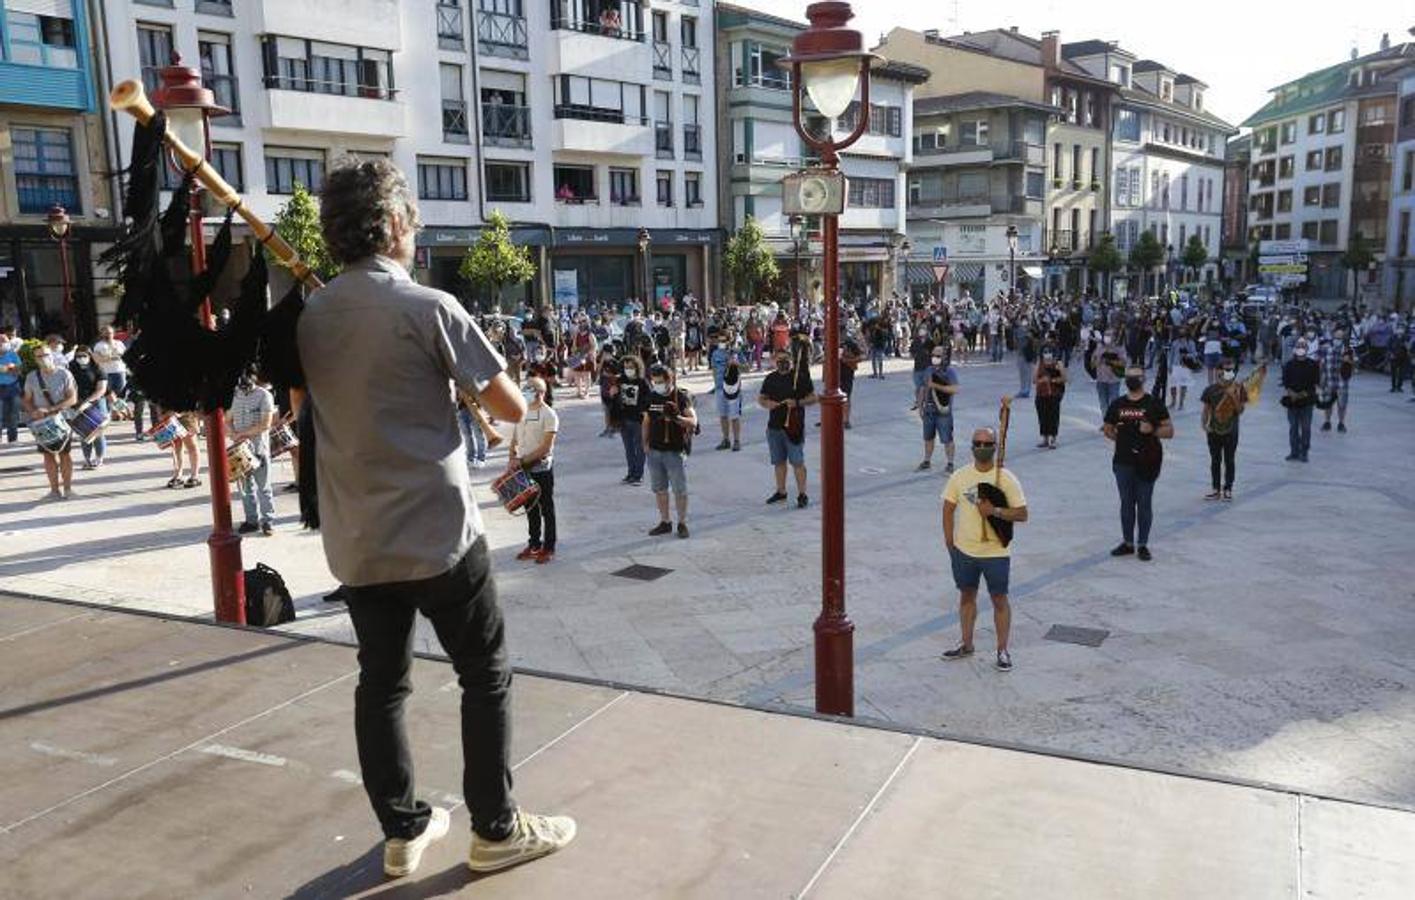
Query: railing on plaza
[454,121]
[692,59]
[662,61]
[565,23]
[692,142]
[663,139]
[596,114]
[502,34]
[449,27]
[37,193]
[504,125]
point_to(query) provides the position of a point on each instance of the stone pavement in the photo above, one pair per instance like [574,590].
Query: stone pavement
[147,757]
[1272,639]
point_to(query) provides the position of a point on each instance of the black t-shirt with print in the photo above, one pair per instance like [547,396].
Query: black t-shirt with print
[664,433]
[1132,447]
[781,386]
[629,402]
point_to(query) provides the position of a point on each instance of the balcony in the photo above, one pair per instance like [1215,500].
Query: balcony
[692,62]
[603,28]
[1063,241]
[358,23]
[304,110]
[574,52]
[1019,206]
[502,34]
[692,142]
[505,126]
[454,122]
[663,139]
[964,208]
[662,61]
[38,85]
[956,155]
[592,130]
[450,33]
[1022,152]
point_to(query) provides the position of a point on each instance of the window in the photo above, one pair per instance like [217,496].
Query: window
[624,187]
[884,120]
[284,168]
[760,68]
[449,24]
[1056,159]
[442,179]
[1127,125]
[1154,190]
[226,159]
[1095,165]
[974,133]
[213,7]
[43,37]
[598,100]
[1314,160]
[1182,231]
[1282,231]
[510,182]
[664,180]
[1166,132]
[1284,201]
[1408,180]
[1402,240]
[1336,121]
[1183,194]
[1331,195]
[692,130]
[575,184]
[1317,124]
[454,104]
[1092,119]
[1312,196]
[1407,112]
[1166,191]
[1286,165]
[154,52]
[1333,159]
[872,193]
[45,173]
[218,73]
[1327,233]
[691,55]
[689,29]
[659,24]
[1120,188]
[294,64]
[693,188]
[1035,187]
[1076,164]
[1309,231]
[1289,132]
[1199,100]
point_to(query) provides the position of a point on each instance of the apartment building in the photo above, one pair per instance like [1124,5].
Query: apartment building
[594,120]
[1399,286]
[1236,244]
[1167,156]
[1321,167]
[760,146]
[51,154]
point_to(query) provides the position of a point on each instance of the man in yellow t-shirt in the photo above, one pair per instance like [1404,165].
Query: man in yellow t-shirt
[973,546]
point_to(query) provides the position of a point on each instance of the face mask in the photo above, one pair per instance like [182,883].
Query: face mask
[660,387]
[1226,375]
[984,454]
[47,363]
[530,395]
[81,360]
[938,360]
[1134,384]
[631,372]
[1300,352]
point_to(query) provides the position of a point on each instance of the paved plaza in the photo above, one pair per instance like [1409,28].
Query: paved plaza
[1272,639]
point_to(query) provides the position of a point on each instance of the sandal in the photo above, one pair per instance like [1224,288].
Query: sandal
[192,482]
[174,482]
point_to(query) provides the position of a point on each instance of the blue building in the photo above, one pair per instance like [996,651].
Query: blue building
[52,153]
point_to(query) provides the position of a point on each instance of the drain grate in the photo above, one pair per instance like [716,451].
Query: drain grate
[1073,634]
[637,572]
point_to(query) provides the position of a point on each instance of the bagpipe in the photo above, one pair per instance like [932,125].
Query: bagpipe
[993,492]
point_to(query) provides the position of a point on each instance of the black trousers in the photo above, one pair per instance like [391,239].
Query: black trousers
[1222,449]
[542,512]
[1048,416]
[461,604]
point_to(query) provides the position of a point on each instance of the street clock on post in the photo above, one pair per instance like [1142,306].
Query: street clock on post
[813,192]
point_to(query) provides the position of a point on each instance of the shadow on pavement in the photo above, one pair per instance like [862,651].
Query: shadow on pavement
[49,559]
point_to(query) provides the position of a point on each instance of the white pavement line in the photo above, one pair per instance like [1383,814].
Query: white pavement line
[1299,800]
[558,738]
[179,751]
[849,832]
[243,755]
[346,776]
[33,628]
[76,755]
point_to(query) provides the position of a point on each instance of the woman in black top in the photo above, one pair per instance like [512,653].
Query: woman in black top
[92,388]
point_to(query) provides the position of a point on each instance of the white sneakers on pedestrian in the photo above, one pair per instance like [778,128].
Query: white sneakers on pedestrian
[401,856]
[532,837]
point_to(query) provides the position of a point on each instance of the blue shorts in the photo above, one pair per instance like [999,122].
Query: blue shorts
[1212,360]
[969,570]
[729,407]
[782,450]
[940,424]
[667,468]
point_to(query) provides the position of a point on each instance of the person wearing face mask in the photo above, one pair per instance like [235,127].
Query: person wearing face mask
[1222,403]
[1050,380]
[1301,377]
[1136,422]
[583,352]
[92,390]
[1108,363]
[935,403]
[1338,364]
[921,349]
[56,351]
[729,408]
[974,551]
[783,393]
[693,342]
[609,375]
[249,419]
[533,449]
[48,390]
[628,395]
[668,423]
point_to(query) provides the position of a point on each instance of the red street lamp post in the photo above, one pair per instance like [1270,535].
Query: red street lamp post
[59,224]
[829,61]
[190,107]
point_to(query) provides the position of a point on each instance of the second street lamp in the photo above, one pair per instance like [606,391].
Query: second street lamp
[1012,261]
[830,63]
[59,224]
[644,241]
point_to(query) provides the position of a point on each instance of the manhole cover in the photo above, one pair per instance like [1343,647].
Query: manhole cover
[1072,634]
[642,573]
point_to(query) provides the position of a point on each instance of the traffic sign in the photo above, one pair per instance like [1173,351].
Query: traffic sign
[1282,268]
[1280,248]
[1282,259]
[940,256]
[940,272]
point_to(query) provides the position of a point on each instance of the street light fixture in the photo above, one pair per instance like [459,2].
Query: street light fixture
[905,248]
[645,239]
[1012,259]
[59,224]
[830,62]
[190,107]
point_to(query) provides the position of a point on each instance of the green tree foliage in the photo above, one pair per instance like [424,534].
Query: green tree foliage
[298,223]
[1106,259]
[749,261]
[1147,253]
[493,262]
[1195,254]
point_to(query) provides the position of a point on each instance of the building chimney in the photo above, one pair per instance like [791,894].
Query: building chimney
[1385,40]
[1354,54]
[1051,49]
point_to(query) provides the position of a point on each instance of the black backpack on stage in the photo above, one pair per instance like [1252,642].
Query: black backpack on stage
[268,601]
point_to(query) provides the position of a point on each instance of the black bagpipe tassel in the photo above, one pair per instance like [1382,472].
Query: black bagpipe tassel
[130,258]
[307,477]
[279,348]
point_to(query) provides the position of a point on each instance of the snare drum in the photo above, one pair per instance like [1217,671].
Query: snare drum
[167,432]
[89,423]
[282,439]
[52,433]
[516,490]
[240,460]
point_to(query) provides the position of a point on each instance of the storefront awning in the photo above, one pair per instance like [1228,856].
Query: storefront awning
[1032,271]
[964,273]
[920,273]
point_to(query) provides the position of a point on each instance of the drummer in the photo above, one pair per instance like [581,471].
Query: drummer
[249,419]
[93,390]
[49,390]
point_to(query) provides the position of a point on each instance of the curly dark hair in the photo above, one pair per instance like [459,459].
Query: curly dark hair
[357,206]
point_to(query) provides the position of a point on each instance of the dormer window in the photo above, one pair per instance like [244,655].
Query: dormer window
[1354,79]
[1120,75]
[1166,89]
[1199,100]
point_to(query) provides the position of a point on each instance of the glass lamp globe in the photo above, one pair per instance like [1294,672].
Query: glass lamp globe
[188,123]
[831,84]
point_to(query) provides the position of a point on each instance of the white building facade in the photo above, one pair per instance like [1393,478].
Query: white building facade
[1400,243]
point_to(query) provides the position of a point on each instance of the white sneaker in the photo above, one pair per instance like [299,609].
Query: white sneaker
[533,837]
[401,856]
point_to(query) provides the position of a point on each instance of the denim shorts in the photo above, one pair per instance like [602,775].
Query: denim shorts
[969,570]
[729,407]
[667,468]
[940,424]
[782,450]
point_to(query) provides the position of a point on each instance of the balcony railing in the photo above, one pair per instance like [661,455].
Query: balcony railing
[663,139]
[692,142]
[37,193]
[771,81]
[506,126]
[596,114]
[662,61]
[692,60]
[562,23]
[786,162]
[454,121]
[502,34]
[336,88]
[1063,241]
[449,27]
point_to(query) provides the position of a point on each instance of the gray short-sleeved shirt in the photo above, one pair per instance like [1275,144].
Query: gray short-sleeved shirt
[380,355]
